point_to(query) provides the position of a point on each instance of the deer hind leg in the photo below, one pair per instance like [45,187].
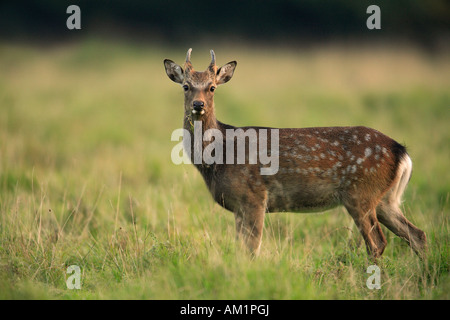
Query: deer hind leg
[366,220]
[249,227]
[390,215]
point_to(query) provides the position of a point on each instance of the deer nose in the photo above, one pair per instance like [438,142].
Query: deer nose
[198,105]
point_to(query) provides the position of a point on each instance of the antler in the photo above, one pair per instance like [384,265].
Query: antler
[188,64]
[212,65]
[213,57]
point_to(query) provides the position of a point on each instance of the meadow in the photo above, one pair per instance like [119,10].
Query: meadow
[86,176]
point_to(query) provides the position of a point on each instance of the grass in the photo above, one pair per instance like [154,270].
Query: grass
[86,177]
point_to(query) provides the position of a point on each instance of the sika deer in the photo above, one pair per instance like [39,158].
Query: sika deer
[319,168]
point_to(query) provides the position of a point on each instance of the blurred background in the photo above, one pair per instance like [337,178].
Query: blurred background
[300,63]
[86,118]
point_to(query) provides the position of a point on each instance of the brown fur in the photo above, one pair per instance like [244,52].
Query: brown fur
[319,168]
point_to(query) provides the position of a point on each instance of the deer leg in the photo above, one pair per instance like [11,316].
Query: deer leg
[249,227]
[390,215]
[366,220]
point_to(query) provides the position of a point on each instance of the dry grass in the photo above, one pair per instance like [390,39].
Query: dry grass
[86,176]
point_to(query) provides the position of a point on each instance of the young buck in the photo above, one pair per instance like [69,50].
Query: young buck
[319,168]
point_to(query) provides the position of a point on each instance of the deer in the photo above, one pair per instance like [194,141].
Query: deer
[319,168]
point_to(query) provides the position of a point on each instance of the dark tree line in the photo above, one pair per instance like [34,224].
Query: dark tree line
[171,20]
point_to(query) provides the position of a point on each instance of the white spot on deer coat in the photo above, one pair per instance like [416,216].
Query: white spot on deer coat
[377,148]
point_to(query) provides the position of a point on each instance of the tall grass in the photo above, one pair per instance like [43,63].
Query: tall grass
[86,177]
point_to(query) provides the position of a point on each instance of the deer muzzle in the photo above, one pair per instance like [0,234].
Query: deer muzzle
[198,107]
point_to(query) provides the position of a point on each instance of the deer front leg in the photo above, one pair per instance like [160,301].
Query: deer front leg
[249,227]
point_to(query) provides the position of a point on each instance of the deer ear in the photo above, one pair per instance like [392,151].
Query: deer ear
[174,71]
[225,72]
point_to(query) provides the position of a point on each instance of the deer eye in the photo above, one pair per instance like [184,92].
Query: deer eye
[185,87]
[212,88]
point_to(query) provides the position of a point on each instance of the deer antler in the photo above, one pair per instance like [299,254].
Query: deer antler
[212,65]
[188,64]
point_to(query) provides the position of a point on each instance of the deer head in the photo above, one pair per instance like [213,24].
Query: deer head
[199,87]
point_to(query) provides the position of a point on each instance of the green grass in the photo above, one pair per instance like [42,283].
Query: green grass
[86,177]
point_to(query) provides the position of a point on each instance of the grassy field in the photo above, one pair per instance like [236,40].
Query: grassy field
[86,176]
